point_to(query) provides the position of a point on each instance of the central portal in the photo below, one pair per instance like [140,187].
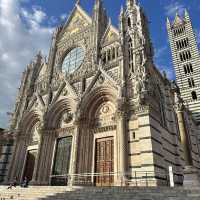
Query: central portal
[62,161]
[104,158]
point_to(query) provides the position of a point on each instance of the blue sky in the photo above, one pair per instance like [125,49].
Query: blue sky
[26,27]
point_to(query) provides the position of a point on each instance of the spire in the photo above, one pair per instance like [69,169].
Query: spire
[131,3]
[168,23]
[187,16]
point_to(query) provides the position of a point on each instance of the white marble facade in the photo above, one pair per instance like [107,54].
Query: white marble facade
[100,82]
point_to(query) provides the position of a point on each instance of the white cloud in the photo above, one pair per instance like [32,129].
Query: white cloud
[159,52]
[63,16]
[197,33]
[22,36]
[36,17]
[173,7]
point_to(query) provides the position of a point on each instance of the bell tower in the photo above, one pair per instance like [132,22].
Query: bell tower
[186,60]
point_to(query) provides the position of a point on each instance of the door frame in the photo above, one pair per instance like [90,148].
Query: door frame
[106,134]
[29,148]
[55,150]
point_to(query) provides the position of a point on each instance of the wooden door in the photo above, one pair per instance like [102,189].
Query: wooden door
[30,164]
[104,161]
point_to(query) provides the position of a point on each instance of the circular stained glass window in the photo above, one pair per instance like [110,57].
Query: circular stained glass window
[73,60]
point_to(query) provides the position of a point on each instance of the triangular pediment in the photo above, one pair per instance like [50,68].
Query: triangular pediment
[65,90]
[102,78]
[36,103]
[77,20]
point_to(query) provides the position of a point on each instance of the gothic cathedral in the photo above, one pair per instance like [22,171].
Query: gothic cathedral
[98,111]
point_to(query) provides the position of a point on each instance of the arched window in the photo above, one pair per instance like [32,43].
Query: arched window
[194,95]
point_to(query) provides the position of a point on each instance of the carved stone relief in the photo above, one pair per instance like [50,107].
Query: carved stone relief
[67,119]
[105,114]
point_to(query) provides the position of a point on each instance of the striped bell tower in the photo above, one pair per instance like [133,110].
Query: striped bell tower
[186,60]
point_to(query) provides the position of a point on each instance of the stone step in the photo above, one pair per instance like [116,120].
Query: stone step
[104,193]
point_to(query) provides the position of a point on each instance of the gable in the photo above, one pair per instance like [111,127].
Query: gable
[78,20]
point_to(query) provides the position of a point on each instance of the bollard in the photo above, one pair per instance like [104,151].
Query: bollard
[171,176]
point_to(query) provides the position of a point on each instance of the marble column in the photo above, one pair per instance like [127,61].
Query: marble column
[121,131]
[45,158]
[35,172]
[75,146]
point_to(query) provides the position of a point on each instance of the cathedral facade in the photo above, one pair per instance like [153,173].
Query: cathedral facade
[99,105]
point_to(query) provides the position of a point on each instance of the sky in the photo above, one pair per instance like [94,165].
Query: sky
[26,27]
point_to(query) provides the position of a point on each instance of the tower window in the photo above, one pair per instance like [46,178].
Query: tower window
[179,31]
[188,68]
[185,69]
[181,44]
[194,95]
[129,22]
[191,68]
[191,82]
[186,55]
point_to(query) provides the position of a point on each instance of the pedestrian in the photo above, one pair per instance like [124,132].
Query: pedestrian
[13,184]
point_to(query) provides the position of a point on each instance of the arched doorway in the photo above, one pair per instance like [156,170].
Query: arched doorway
[104,146]
[60,123]
[31,152]
[98,139]
[27,139]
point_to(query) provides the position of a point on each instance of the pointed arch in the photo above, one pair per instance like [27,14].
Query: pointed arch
[28,121]
[56,111]
[95,98]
